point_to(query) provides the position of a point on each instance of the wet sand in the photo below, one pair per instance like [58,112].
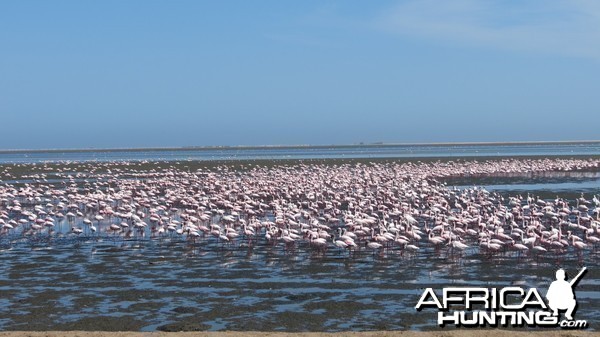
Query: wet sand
[461,333]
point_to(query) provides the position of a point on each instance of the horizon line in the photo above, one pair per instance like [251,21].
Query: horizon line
[245,147]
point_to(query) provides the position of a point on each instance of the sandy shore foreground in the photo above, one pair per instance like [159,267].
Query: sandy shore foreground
[457,333]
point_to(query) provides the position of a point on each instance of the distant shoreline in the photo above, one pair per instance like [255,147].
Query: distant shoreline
[262,147]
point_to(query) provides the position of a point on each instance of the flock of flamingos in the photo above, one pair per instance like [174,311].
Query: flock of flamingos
[373,208]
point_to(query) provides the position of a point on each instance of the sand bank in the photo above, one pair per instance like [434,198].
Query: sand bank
[457,333]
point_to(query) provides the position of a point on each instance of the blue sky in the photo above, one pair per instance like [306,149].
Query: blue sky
[79,74]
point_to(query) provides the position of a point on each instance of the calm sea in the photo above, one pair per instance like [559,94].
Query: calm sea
[317,152]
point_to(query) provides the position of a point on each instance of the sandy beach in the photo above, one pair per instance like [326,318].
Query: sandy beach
[461,333]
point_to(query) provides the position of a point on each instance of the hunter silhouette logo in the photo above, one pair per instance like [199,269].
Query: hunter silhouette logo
[514,306]
[561,295]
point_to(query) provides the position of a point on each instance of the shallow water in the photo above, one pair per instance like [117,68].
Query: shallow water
[147,285]
[588,182]
[316,152]
[566,185]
